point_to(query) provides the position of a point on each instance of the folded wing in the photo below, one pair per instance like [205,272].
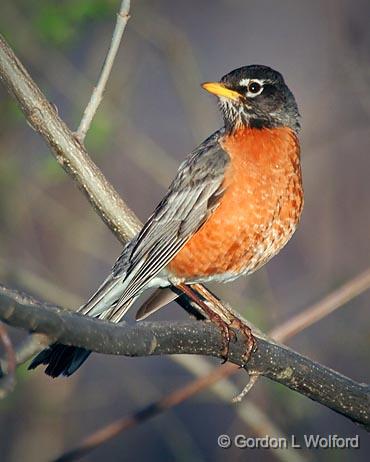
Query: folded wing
[192,196]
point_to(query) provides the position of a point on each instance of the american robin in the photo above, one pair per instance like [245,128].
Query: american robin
[234,203]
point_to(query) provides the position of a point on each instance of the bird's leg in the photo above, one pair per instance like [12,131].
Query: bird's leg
[213,316]
[233,320]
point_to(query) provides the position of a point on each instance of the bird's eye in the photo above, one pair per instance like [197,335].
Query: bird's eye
[254,88]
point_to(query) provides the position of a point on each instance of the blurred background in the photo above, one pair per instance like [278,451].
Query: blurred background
[154,112]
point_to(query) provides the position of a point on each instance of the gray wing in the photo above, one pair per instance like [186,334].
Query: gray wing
[193,195]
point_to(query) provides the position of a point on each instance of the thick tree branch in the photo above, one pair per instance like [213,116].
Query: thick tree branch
[275,361]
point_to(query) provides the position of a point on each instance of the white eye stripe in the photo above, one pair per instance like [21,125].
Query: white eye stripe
[245,82]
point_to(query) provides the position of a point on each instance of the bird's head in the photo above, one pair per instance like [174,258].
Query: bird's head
[255,96]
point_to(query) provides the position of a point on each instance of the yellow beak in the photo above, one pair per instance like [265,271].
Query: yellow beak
[219,89]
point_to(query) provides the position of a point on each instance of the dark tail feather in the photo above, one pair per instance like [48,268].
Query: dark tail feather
[60,359]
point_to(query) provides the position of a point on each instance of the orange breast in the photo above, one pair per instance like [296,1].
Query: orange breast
[258,212]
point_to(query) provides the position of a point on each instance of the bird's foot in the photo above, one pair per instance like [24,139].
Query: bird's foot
[226,333]
[224,313]
[250,340]
[222,317]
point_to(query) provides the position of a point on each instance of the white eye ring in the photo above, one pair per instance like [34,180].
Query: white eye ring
[254,87]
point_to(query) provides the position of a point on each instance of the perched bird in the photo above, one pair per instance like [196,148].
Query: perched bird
[234,203]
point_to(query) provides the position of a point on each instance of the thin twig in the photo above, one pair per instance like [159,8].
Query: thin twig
[247,388]
[7,382]
[108,432]
[97,94]
[147,412]
[318,311]
[258,421]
